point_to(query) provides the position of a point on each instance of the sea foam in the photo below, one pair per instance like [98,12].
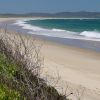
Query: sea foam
[85,35]
[91,34]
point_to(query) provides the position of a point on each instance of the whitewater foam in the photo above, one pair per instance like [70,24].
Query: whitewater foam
[91,34]
[85,35]
[54,29]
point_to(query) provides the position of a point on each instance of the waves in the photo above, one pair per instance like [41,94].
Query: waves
[60,30]
[91,34]
[60,33]
[24,25]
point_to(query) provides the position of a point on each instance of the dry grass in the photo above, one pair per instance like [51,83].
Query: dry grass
[24,55]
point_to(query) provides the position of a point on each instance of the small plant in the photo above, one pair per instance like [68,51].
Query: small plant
[8,94]
[19,69]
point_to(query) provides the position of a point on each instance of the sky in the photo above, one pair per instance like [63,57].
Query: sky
[51,6]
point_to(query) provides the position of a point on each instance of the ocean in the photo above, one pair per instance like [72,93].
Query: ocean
[85,29]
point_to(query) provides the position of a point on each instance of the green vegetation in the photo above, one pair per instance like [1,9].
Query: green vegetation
[7,71]
[7,68]
[19,71]
[13,85]
[8,94]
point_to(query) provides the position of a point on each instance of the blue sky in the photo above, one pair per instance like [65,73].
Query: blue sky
[24,6]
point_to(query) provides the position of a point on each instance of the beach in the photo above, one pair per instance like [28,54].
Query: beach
[74,66]
[70,69]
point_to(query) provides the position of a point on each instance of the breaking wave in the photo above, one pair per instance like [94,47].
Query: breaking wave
[85,35]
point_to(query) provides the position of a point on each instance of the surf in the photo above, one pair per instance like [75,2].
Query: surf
[59,33]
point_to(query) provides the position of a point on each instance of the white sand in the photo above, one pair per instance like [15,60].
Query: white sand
[77,68]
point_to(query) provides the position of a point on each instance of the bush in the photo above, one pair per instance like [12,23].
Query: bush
[19,70]
[8,94]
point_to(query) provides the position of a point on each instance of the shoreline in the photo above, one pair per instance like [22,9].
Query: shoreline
[75,66]
[69,41]
[23,24]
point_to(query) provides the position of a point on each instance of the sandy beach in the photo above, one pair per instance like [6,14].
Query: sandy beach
[77,68]
[70,69]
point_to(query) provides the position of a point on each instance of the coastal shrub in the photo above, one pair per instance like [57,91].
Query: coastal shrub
[8,94]
[7,71]
[14,78]
[19,70]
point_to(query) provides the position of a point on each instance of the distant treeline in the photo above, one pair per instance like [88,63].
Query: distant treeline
[81,14]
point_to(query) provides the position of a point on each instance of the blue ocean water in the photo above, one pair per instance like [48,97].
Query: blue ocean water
[82,33]
[75,25]
[87,29]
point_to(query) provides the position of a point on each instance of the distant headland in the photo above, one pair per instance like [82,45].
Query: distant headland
[81,14]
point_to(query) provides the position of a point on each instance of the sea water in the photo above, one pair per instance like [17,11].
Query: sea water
[86,29]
